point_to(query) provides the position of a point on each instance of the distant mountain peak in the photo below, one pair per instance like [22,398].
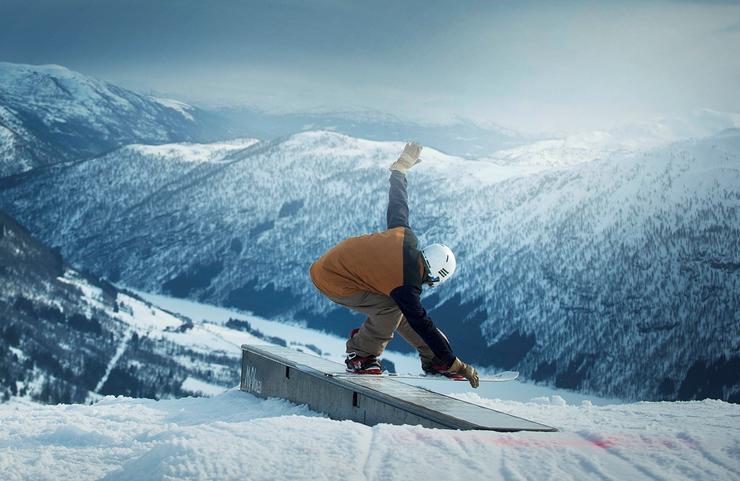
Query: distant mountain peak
[51,114]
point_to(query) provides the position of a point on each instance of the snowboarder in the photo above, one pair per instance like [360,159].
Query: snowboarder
[381,275]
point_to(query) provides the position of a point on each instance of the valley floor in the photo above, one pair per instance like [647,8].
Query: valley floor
[237,436]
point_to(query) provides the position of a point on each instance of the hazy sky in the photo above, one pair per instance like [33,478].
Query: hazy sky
[523,64]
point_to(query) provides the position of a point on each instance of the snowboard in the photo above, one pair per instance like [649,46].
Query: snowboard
[498,377]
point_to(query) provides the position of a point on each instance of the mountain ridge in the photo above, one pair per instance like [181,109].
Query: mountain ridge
[599,254]
[551,264]
[50,114]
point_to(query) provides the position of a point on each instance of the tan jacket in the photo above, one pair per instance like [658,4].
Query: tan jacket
[373,263]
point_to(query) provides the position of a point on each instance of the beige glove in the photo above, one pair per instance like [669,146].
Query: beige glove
[465,370]
[409,158]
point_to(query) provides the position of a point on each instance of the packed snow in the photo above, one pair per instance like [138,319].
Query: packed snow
[236,436]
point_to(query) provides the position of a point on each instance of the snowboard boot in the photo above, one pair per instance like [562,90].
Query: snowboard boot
[362,364]
[359,364]
[436,368]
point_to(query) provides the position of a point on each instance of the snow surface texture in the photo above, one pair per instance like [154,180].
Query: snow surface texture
[236,436]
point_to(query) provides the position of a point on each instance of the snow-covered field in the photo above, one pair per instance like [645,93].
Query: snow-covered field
[238,436]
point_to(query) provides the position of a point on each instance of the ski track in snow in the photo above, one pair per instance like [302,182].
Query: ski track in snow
[236,436]
[114,360]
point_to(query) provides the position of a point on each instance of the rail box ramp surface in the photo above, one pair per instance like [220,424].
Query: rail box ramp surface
[324,386]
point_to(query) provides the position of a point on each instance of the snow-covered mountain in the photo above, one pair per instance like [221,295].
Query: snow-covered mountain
[564,150]
[617,276]
[67,336]
[461,137]
[50,114]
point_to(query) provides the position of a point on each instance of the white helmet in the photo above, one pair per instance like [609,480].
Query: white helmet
[440,262]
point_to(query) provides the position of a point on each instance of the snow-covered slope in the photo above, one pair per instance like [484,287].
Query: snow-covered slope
[190,152]
[50,114]
[235,436]
[66,336]
[616,276]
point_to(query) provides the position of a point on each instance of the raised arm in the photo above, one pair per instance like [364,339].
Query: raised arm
[398,201]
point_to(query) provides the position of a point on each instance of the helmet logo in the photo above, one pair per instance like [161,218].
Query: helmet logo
[443,272]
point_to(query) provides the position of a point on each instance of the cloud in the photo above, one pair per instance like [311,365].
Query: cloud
[527,64]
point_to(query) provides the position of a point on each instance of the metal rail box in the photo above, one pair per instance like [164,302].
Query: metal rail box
[275,371]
